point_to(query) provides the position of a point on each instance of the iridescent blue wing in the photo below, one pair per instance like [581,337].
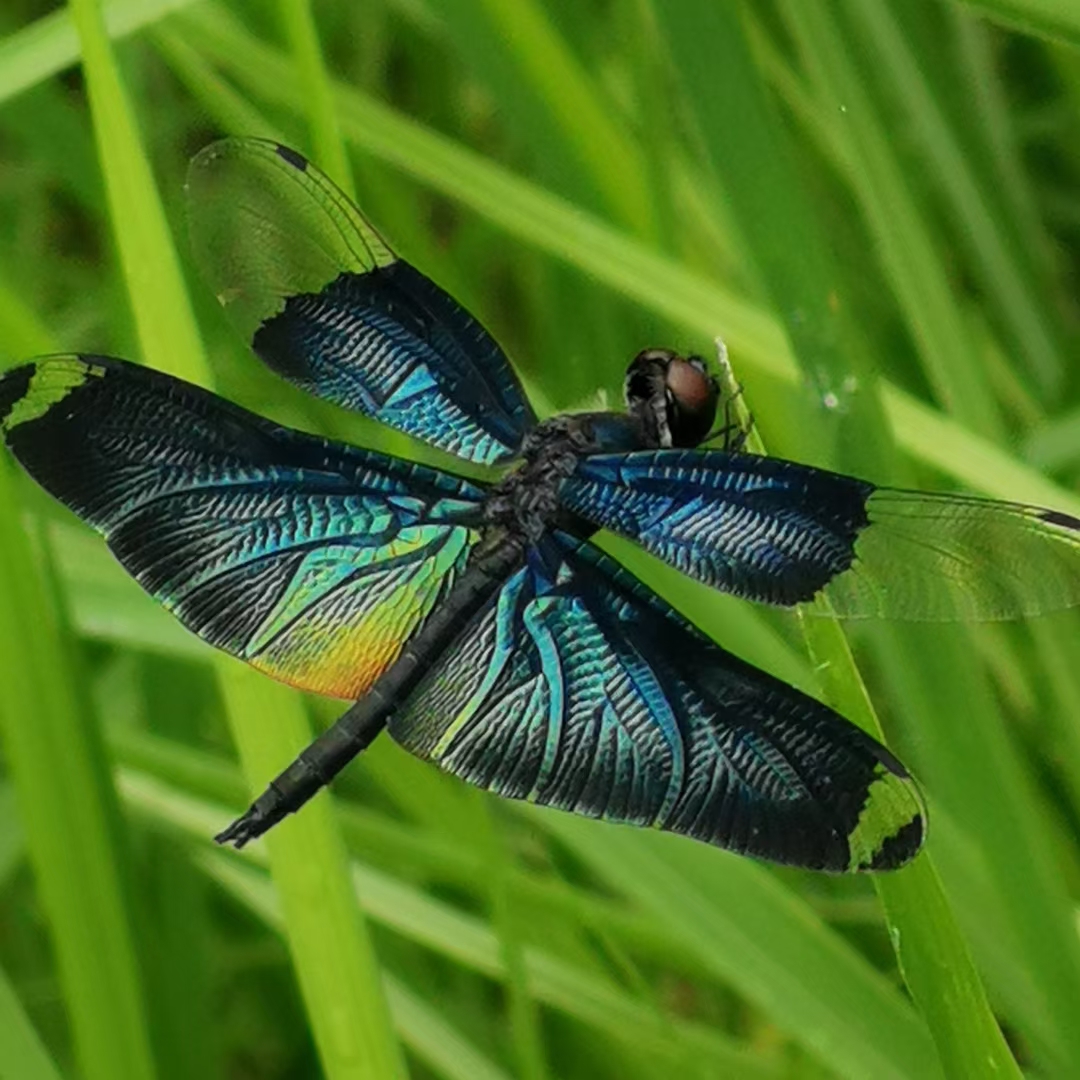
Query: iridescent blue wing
[579,688]
[785,533]
[312,560]
[323,301]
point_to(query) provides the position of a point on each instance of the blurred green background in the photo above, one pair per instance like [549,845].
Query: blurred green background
[876,205]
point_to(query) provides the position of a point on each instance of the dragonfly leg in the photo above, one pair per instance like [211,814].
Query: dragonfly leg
[737,423]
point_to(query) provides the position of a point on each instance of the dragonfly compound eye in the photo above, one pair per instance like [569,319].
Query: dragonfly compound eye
[692,394]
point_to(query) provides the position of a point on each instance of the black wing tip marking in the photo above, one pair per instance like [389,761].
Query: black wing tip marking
[889,760]
[232,144]
[1060,518]
[293,157]
[30,392]
[899,849]
[891,826]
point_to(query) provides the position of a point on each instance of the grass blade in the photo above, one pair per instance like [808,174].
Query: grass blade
[68,810]
[22,1053]
[335,961]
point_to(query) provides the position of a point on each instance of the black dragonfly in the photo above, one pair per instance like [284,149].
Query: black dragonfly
[477,621]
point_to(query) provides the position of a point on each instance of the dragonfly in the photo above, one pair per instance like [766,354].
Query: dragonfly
[476,619]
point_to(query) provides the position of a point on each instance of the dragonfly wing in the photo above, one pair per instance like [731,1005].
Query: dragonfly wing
[579,688]
[785,533]
[312,560]
[937,557]
[327,304]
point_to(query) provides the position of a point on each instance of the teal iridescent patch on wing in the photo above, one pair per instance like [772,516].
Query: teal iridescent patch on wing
[756,527]
[578,688]
[786,533]
[348,611]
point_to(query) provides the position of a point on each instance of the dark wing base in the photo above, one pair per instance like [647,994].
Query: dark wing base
[580,689]
[757,527]
[390,344]
[785,533]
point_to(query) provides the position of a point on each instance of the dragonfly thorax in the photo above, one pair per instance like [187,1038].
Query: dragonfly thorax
[526,502]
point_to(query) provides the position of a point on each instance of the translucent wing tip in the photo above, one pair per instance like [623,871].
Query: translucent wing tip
[247,148]
[934,557]
[265,224]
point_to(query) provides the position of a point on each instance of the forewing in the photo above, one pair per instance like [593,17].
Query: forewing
[939,557]
[312,560]
[324,301]
[578,688]
[785,533]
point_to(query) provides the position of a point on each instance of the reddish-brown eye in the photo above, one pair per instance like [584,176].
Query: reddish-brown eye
[689,385]
[693,395]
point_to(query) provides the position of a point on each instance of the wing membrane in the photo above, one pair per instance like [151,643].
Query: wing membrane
[580,689]
[312,560]
[785,533]
[324,302]
[939,557]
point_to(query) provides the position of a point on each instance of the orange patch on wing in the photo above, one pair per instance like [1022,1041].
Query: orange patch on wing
[335,634]
[339,661]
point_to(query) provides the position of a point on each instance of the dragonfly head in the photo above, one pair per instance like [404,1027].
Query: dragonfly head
[673,398]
